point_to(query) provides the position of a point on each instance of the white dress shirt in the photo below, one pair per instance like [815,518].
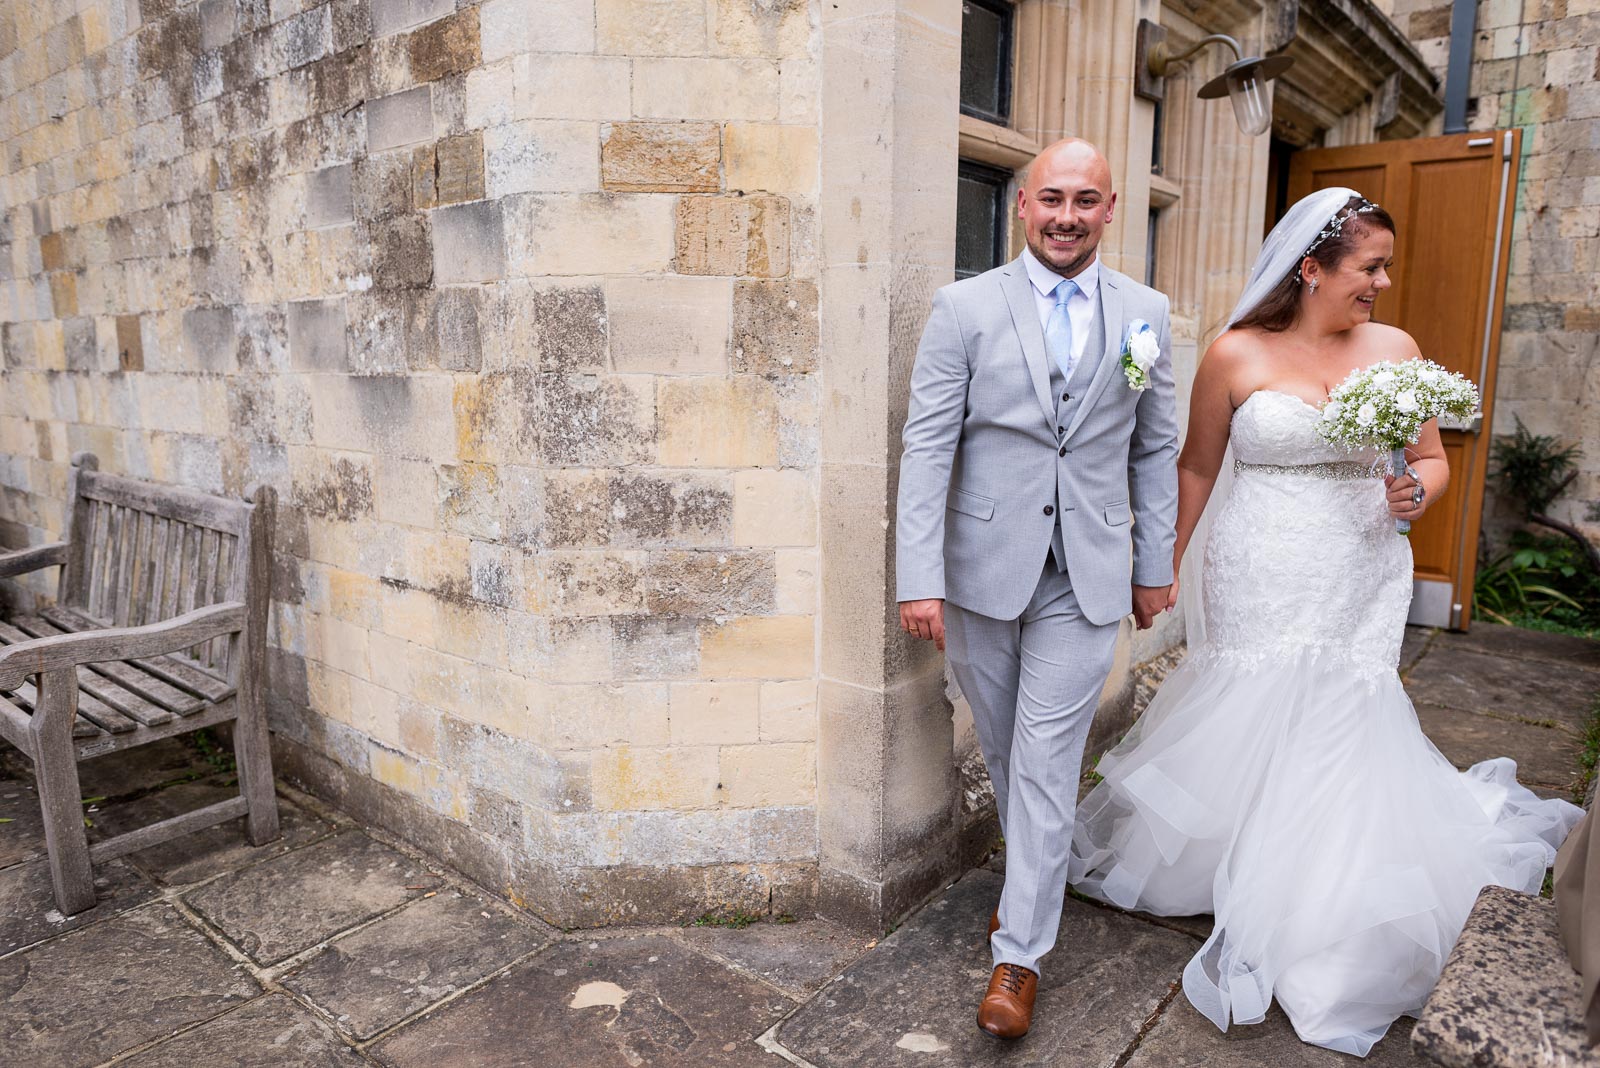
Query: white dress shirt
[1080,307]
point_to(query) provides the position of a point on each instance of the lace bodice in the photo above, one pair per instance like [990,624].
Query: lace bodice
[1302,560]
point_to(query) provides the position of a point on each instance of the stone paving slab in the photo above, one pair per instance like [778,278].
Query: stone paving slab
[405,962]
[918,991]
[28,913]
[270,1032]
[1413,645]
[22,833]
[212,851]
[610,1003]
[1503,641]
[798,957]
[1508,995]
[283,906]
[85,997]
[1545,755]
[143,767]
[1182,1038]
[1454,677]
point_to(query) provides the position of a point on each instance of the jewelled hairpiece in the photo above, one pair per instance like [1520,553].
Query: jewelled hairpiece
[1335,224]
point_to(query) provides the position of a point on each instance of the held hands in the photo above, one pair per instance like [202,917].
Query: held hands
[924,619]
[1407,497]
[1149,602]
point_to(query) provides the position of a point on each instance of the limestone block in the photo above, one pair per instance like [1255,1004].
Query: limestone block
[393,768]
[375,712]
[317,335]
[757,776]
[727,90]
[661,157]
[764,157]
[448,46]
[774,507]
[473,632]
[732,235]
[714,713]
[653,647]
[709,583]
[669,325]
[774,327]
[334,486]
[343,646]
[570,327]
[510,27]
[580,651]
[467,500]
[651,27]
[408,615]
[593,583]
[130,344]
[552,86]
[495,417]
[419,728]
[591,234]
[445,328]
[303,38]
[458,168]
[381,185]
[405,491]
[596,420]
[796,589]
[771,647]
[389,16]
[400,119]
[469,243]
[490,94]
[542,157]
[376,328]
[717,422]
[789,711]
[328,197]
[576,508]
[781,28]
[633,778]
[587,716]
[661,509]
[355,598]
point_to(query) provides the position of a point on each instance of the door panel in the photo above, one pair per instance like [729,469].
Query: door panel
[1451,199]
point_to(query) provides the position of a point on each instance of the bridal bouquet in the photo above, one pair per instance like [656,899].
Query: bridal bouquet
[1386,404]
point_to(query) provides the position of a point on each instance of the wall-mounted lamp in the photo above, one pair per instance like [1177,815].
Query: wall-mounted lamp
[1244,81]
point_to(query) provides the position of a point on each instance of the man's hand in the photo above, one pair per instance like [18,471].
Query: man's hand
[924,619]
[1148,602]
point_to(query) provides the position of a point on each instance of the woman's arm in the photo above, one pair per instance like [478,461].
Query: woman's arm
[1210,417]
[1427,458]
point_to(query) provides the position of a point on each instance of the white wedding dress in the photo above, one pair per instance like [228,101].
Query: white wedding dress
[1279,779]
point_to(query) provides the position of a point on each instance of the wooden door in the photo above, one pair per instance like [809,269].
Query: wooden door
[1452,199]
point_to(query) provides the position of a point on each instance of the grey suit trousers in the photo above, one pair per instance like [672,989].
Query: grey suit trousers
[1034,683]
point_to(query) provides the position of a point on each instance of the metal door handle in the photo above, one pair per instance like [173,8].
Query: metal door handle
[1480,142]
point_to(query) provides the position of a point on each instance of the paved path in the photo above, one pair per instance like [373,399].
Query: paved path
[337,946]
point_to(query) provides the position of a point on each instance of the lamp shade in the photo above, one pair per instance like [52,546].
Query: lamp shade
[1245,83]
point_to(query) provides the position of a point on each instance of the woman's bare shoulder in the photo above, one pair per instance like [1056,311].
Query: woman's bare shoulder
[1385,342]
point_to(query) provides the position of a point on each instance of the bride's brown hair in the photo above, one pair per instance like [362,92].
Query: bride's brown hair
[1280,308]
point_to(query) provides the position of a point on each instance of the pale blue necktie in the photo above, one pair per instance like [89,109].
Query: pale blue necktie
[1058,329]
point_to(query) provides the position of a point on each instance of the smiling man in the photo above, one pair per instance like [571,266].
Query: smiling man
[1039,455]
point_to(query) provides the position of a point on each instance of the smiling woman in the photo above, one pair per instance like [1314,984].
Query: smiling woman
[1343,239]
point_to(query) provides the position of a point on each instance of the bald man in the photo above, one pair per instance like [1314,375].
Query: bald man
[1038,493]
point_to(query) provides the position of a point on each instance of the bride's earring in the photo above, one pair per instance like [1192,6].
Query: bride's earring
[1312,285]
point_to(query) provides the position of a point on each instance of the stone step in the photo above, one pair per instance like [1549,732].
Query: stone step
[1508,995]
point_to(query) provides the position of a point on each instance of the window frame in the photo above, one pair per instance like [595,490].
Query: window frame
[1007,52]
[1003,179]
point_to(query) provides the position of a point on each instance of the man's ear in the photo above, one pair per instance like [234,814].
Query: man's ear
[1022,202]
[1111,207]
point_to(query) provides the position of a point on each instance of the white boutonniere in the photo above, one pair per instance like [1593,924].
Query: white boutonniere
[1140,350]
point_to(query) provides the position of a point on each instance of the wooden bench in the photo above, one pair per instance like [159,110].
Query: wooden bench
[158,629]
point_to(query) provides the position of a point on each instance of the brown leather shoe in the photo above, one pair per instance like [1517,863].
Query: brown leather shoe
[1007,1008]
[994,922]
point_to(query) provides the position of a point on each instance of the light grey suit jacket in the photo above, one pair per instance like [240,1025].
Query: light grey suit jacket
[984,474]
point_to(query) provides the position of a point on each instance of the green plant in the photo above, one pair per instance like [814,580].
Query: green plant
[1541,582]
[219,757]
[737,918]
[1589,757]
[1535,469]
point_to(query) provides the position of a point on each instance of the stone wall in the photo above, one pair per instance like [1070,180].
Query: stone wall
[516,304]
[1536,64]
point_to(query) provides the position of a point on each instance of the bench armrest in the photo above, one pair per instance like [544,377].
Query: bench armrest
[19,661]
[22,561]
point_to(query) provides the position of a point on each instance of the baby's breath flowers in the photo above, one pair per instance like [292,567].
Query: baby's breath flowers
[1386,404]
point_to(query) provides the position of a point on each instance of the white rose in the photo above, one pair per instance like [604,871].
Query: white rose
[1332,411]
[1144,349]
[1429,375]
[1366,415]
[1383,379]
[1406,400]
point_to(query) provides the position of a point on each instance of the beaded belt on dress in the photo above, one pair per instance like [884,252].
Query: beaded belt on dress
[1338,470]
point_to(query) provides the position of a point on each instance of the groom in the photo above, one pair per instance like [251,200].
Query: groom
[1032,459]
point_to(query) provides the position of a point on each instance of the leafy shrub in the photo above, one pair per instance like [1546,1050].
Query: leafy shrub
[1543,582]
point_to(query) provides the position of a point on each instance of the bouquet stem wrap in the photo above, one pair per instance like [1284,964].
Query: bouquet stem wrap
[1397,467]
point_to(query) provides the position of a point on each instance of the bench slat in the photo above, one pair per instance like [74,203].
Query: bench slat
[100,687]
[157,691]
[93,717]
[182,674]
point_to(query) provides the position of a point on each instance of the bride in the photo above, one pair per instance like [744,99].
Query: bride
[1279,779]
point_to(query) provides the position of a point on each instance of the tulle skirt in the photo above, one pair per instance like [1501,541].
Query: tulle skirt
[1299,802]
